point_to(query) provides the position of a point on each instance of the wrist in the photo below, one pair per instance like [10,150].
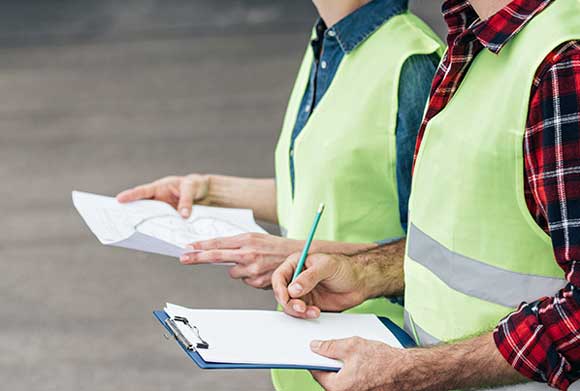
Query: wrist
[434,368]
[381,268]
[372,283]
[218,190]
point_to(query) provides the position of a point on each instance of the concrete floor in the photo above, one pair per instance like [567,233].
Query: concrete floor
[99,99]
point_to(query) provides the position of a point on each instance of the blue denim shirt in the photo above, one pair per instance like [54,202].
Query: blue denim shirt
[329,48]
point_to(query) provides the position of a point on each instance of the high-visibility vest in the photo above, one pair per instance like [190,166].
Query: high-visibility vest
[474,252]
[346,154]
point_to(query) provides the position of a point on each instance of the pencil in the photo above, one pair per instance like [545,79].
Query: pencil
[306,248]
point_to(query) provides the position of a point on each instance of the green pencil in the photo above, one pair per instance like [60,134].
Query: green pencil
[306,248]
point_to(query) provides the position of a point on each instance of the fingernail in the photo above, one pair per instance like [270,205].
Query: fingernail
[184,258]
[184,212]
[315,344]
[295,289]
[297,308]
[311,313]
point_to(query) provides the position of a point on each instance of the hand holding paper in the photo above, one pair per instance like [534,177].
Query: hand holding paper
[155,226]
[271,339]
[181,192]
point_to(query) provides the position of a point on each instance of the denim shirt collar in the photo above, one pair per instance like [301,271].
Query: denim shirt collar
[355,28]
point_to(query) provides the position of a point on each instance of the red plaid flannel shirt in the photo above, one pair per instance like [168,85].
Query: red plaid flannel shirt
[541,339]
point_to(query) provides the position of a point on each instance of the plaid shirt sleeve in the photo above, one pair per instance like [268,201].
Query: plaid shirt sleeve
[542,339]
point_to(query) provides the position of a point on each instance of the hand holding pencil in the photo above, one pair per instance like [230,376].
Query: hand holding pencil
[305,285]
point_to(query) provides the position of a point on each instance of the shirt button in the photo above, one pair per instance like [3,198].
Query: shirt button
[331,33]
[291,152]
[323,64]
[307,109]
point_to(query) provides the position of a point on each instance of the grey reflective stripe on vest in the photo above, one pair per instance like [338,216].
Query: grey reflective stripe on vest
[411,328]
[472,277]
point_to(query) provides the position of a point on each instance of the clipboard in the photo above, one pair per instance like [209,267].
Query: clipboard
[190,347]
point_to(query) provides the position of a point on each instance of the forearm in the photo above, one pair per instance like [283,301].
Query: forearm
[331,247]
[381,269]
[234,192]
[474,363]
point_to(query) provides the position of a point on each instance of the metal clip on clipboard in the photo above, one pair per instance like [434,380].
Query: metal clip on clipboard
[181,338]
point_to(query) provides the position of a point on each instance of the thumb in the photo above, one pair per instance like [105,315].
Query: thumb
[334,348]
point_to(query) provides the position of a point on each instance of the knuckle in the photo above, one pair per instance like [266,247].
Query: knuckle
[233,273]
[292,259]
[254,270]
[186,182]
[328,346]
[250,256]
[212,255]
[165,181]
[252,242]
[323,259]
[264,282]
[247,238]
[259,283]
[351,343]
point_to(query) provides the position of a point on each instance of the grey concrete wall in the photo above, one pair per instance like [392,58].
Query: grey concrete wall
[101,95]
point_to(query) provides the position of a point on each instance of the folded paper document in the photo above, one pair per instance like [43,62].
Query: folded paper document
[156,227]
[220,339]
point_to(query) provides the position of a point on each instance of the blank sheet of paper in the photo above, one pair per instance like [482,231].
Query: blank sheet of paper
[272,337]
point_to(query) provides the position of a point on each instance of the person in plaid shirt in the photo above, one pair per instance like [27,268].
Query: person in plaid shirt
[540,340]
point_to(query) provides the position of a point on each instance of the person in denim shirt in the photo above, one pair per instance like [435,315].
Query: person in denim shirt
[360,95]
[348,140]
[329,47]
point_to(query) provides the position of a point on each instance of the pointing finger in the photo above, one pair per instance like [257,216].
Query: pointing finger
[186,193]
[212,256]
[232,242]
[281,278]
